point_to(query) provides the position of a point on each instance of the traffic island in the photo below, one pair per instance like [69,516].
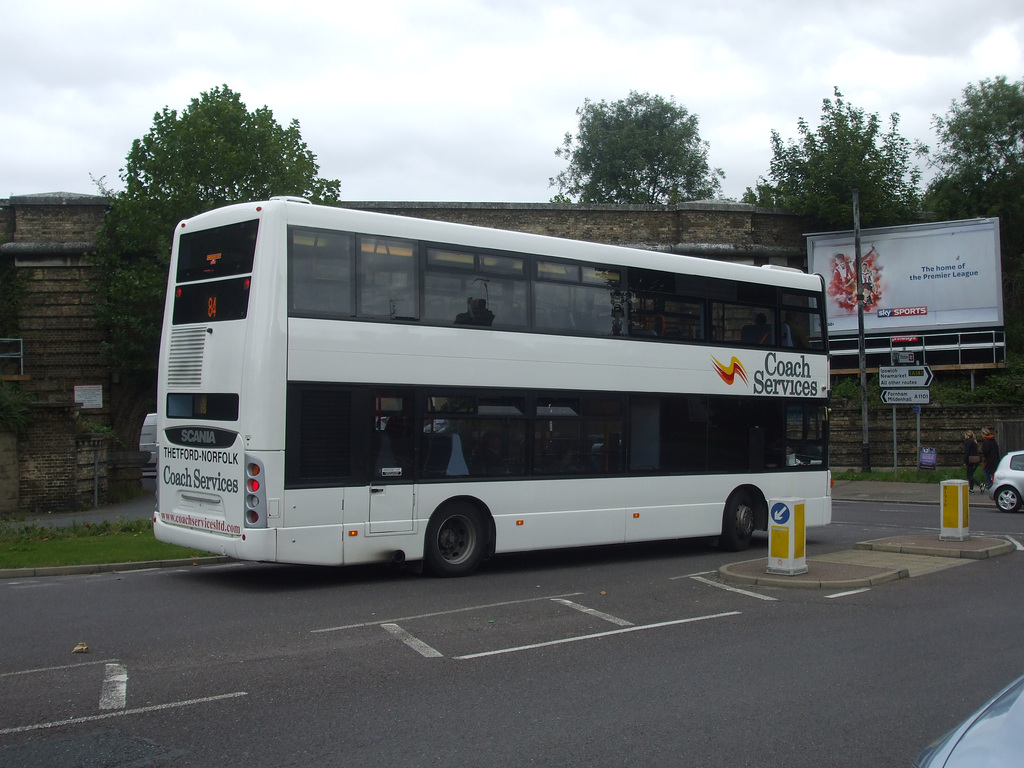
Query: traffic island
[972,549]
[820,574]
[870,563]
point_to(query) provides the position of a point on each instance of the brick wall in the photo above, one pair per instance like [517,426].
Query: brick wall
[52,219]
[8,473]
[47,238]
[48,461]
[61,336]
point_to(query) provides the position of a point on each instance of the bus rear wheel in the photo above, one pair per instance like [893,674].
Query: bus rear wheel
[456,540]
[737,524]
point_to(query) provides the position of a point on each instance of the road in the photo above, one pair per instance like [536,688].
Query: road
[616,656]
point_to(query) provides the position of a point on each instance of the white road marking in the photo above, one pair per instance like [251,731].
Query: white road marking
[727,588]
[114,694]
[1016,543]
[120,713]
[691,575]
[595,635]
[56,669]
[849,592]
[31,584]
[442,613]
[592,612]
[413,642]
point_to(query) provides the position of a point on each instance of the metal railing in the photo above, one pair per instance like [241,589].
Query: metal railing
[952,349]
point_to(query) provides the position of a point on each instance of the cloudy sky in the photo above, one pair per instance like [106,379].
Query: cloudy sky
[466,100]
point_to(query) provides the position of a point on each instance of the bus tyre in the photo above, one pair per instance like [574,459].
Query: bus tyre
[456,540]
[737,524]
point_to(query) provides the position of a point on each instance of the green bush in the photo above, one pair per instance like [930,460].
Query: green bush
[15,408]
[949,387]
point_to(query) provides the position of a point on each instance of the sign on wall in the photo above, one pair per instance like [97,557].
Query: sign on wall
[926,277]
[89,395]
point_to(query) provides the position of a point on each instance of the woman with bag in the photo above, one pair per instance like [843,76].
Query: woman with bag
[990,453]
[971,459]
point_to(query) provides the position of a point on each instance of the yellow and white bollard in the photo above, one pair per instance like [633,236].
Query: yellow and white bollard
[787,537]
[954,500]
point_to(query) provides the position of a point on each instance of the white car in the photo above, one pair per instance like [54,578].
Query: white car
[1007,489]
[147,443]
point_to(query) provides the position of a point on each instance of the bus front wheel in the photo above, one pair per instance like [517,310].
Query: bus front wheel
[456,540]
[737,524]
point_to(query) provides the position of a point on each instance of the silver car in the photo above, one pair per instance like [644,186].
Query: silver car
[992,736]
[1007,489]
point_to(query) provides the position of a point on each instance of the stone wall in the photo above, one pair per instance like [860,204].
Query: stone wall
[55,218]
[942,428]
[715,229]
[61,336]
[8,473]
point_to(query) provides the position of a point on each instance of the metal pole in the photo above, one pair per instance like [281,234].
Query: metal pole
[865,447]
[895,461]
[918,438]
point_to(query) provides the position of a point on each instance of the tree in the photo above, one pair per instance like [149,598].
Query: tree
[213,153]
[641,149]
[815,176]
[980,172]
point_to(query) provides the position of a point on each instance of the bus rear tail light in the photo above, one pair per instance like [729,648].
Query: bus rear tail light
[255,495]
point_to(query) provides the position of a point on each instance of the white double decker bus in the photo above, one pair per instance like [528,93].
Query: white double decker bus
[341,387]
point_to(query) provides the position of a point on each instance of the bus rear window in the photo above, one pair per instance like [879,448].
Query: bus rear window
[211,302]
[217,252]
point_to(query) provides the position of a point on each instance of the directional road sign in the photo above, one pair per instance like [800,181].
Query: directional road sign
[906,396]
[896,376]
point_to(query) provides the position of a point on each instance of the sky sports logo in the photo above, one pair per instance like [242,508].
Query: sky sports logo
[903,312]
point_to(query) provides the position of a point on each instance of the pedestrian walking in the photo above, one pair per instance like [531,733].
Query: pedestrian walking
[972,458]
[990,453]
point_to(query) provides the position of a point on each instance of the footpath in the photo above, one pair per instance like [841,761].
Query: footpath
[869,563]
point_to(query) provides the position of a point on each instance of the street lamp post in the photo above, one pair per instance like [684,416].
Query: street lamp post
[865,446]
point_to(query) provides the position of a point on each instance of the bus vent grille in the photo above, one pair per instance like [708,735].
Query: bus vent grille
[185,366]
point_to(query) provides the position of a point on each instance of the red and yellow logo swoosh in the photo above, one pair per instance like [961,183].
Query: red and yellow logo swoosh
[728,373]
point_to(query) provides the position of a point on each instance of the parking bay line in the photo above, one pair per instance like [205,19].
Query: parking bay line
[593,612]
[727,588]
[596,635]
[120,713]
[442,613]
[848,592]
[432,653]
[56,669]
[413,642]
[114,693]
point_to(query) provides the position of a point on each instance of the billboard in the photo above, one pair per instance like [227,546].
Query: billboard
[921,277]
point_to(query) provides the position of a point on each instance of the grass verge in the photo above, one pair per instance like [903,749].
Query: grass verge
[928,476]
[122,541]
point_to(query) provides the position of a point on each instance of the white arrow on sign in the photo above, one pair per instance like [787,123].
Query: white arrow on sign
[894,376]
[906,396]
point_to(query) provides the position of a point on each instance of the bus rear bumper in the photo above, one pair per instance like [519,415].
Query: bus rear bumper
[258,544]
